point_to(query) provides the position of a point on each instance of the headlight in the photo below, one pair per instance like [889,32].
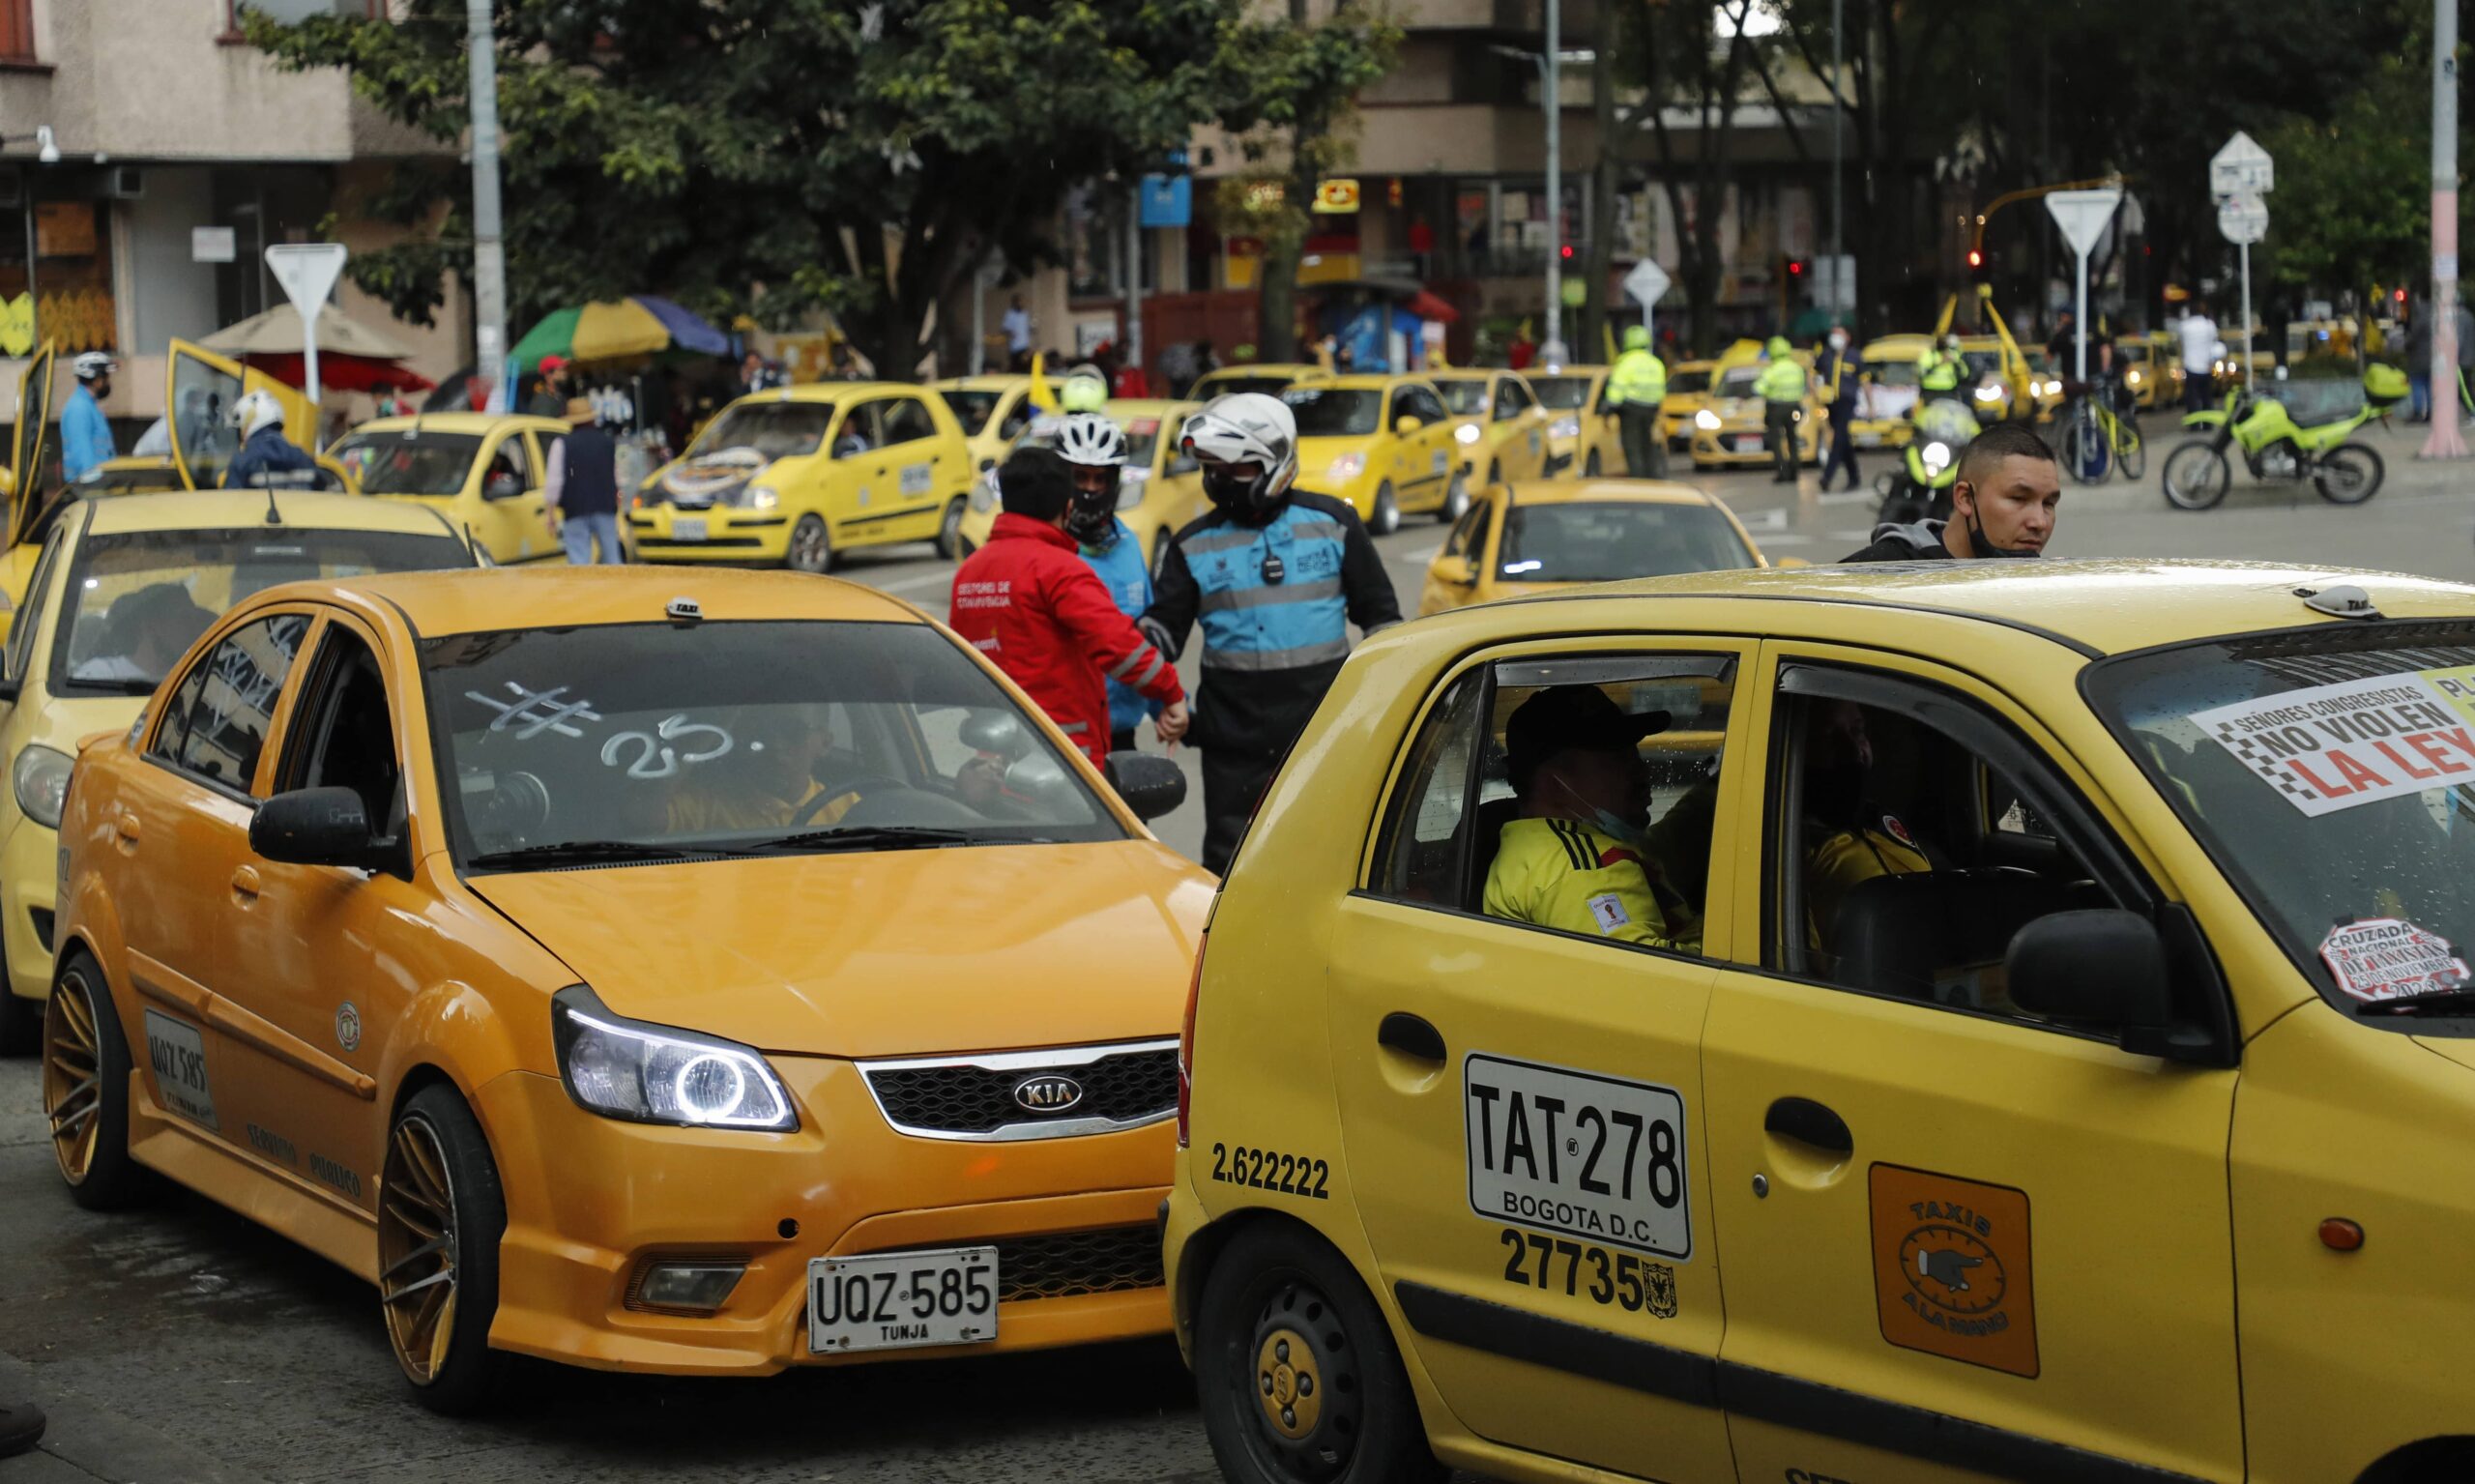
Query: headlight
[2133,377]
[1564,427]
[1349,466]
[1466,432]
[654,1074]
[42,784]
[1130,482]
[1988,393]
[1706,421]
[1937,454]
[763,497]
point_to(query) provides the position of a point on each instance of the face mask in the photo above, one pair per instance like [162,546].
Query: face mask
[1240,496]
[1984,546]
[1838,341]
[1631,836]
[1091,518]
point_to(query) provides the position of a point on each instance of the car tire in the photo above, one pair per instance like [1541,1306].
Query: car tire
[1386,517]
[812,546]
[1299,1380]
[85,1090]
[949,531]
[20,1018]
[1590,466]
[1456,499]
[441,1215]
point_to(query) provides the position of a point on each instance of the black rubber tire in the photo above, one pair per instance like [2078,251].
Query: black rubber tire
[1277,1273]
[949,531]
[2133,459]
[2370,471]
[113,1179]
[1386,516]
[21,1021]
[1456,499]
[2195,476]
[810,548]
[472,1375]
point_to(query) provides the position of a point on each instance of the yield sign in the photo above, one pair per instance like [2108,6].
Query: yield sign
[1647,282]
[2241,168]
[307,272]
[2082,215]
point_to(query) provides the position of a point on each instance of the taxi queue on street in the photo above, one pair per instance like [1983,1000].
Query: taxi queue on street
[1988,1020]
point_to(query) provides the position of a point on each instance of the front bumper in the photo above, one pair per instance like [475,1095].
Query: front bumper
[592,1200]
[731,534]
[1737,445]
[29,892]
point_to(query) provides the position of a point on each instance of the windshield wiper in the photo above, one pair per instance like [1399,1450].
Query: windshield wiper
[2439,1002]
[595,852]
[118,688]
[873,837]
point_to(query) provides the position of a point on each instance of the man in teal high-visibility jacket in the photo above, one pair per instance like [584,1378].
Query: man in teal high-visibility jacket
[1635,388]
[1781,385]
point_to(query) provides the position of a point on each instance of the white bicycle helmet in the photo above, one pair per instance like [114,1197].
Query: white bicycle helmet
[1244,427]
[255,410]
[1089,438]
[1086,439]
[94,365]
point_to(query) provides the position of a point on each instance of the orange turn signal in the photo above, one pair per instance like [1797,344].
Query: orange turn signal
[2339,1235]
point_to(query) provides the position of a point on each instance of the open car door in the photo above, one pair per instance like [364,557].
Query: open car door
[30,447]
[198,403]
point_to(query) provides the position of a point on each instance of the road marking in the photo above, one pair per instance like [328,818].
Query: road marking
[1844,497]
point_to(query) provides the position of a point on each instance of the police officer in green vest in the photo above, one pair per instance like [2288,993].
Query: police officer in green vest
[1938,370]
[1635,388]
[1781,385]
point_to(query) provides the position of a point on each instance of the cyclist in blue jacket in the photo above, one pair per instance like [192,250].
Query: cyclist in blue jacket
[1095,452]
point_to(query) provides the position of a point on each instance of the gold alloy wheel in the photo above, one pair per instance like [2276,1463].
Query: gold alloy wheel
[1285,1378]
[417,1249]
[1309,1395]
[73,1084]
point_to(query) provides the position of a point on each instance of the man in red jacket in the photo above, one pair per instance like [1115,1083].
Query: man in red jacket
[1031,603]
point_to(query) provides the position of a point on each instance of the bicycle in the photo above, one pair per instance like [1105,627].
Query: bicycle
[2099,440]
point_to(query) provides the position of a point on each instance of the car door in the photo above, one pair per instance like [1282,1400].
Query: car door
[29,444]
[183,867]
[1955,1232]
[313,990]
[1453,578]
[1525,442]
[510,517]
[203,389]
[856,505]
[1430,452]
[908,472]
[1521,1106]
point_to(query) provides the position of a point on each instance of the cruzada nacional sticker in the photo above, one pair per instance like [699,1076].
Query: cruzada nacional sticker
[2331,748]
[2387,958]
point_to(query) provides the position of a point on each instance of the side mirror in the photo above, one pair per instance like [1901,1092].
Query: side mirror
[502,486]
[1459,572]
[314,827]
[1150,785]
[1407,424]
[2105,967]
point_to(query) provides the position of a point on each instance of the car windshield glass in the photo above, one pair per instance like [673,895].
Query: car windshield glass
[736,736]
[1892,373]
[2330,775]
[973,409]
[1230,386]
[1561,393]
[1687,381]
[136,601]
[1331,411]
[415,462]
[774,430]
[1467,397]
[1583,542]
[1739,379]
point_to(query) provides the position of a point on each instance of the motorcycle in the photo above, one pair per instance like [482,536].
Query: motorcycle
[2197,474]
[1920,490]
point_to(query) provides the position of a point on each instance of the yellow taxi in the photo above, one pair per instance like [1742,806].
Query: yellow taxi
[2153,369]
[992,412]
[120,590]
[1688,391]
[482,471]
[702,974]
[1582,433]
[1519,540]
[1497,422]
[1733,431]
[2031,1039]
[1269,376]
[1384,444]
[1160,490]
[797,476]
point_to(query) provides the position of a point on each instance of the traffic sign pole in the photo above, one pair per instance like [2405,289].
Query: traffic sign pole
[307,272]
[2444,440]
[2082,215]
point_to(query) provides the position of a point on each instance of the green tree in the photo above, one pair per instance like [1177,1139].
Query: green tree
[774,157]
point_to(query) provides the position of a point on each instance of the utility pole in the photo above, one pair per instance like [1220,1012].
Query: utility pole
[1550,350]
[489,253]
[1838,123]
[2444,441]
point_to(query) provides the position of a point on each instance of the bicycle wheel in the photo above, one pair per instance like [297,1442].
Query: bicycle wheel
[2083,447]
[2131,455]
[2196,476]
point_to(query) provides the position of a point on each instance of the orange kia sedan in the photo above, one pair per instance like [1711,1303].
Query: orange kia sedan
[697,972]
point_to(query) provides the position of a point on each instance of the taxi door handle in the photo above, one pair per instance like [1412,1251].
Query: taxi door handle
[1410,1035]
[1809,1123]
[125,826]
[244,885]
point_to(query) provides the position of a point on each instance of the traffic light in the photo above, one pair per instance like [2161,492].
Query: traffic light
[1977,258]
[1795,268]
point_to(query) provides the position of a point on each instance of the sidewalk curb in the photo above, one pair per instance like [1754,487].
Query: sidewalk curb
[108,1445]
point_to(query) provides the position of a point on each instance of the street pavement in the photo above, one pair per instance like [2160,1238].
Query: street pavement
[182,1343]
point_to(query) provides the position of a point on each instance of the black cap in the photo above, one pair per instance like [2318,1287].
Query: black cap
[1565,716]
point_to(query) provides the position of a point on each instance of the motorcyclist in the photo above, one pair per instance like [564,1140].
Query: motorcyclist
[1781,387]
[1084,390]
[1095,452]
[1940,368]
[85,433]
[2002,505]
[1636,385]
[265,452]
[1277,575]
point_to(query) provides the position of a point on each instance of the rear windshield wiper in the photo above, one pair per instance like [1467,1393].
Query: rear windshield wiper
[595,852]
[873,837]
[2440,1001]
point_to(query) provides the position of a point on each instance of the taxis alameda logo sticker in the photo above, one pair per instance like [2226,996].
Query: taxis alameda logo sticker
[1951,1268]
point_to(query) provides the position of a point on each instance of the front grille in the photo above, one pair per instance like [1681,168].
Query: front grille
[967,1099]
[1068,1264]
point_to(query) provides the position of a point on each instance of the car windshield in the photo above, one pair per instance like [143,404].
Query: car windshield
[1229,386]
[1588,542]
[2317,768]
[136,601]
[652,739]
[973,409]
[1739,381]
[773,428]
[1466,395]
[1893,373]
[1561,394]
[1332,412]
[1687,381]
[415,462]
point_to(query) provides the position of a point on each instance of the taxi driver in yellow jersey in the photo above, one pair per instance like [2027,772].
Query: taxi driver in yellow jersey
[769,781]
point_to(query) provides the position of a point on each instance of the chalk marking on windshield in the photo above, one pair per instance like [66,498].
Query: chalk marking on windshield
[536,712]
[672,728]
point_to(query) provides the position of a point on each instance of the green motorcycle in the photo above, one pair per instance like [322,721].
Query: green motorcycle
[2275,447]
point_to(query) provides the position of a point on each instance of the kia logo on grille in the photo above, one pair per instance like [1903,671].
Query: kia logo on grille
[1048,1094]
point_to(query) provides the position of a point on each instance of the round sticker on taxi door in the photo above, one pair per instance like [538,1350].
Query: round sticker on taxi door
[1951,1268]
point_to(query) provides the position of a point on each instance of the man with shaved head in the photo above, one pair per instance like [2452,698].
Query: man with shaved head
[2002,505]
